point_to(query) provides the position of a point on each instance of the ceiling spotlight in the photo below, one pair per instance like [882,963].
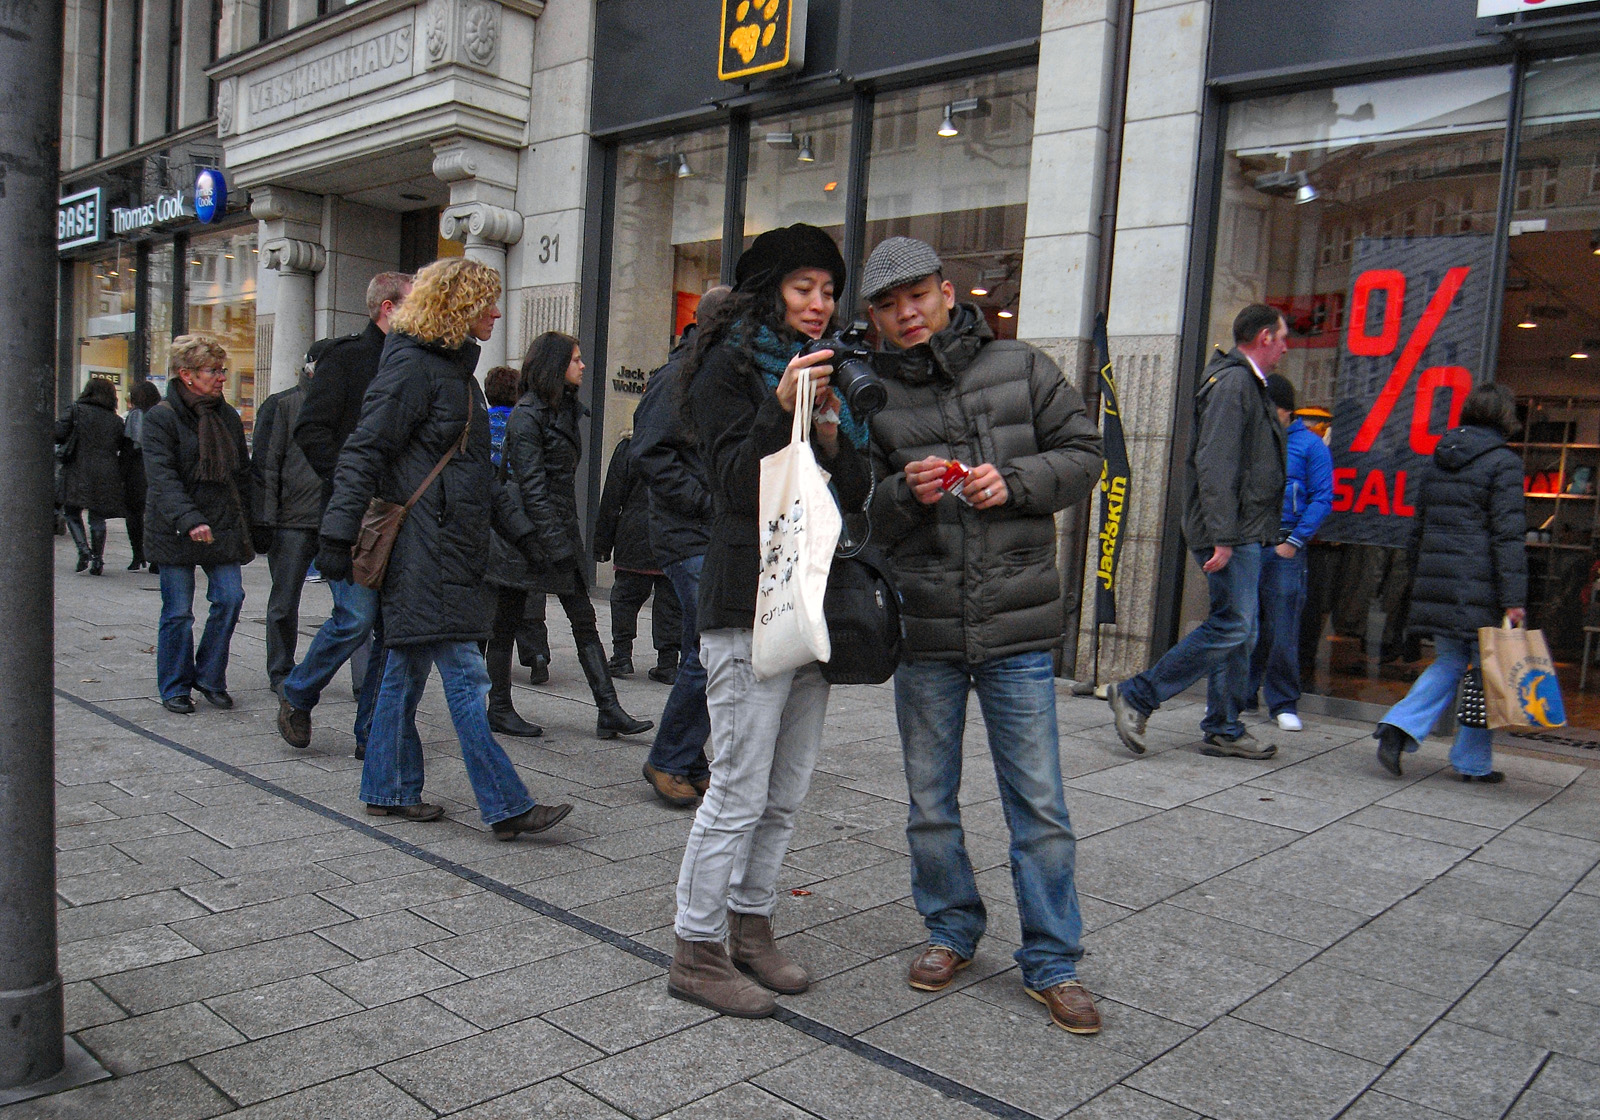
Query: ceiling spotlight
[684,171]
[1586,348]
[1007,314]
[948,127]
[1305,192]
[780,139]
[806,155]
[980,290]
[829,188]
[1527,323]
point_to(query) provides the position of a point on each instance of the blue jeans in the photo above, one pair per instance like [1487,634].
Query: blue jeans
[392,773]
[1018,698]
[1275,662]
[1432,696]
[1219,648]
[685,724]
[178,668]
[355,610]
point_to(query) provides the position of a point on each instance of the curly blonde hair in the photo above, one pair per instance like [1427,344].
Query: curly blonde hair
[446,298]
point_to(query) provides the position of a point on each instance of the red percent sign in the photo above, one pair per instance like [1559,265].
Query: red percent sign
[1392,283]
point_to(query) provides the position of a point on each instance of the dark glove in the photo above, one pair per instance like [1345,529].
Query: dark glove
[261,538]
[333,559]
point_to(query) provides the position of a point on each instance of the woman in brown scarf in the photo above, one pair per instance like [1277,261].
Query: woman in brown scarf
[197,467]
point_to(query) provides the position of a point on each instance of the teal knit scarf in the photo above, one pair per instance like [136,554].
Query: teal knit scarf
[773,356]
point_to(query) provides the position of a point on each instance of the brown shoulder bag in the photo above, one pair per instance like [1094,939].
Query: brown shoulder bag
[380,525]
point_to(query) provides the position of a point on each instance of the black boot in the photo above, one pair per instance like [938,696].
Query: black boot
[666,670]
[97,551]
[621,663]
[81,539]
[503,715]
[613,721]
[539,671]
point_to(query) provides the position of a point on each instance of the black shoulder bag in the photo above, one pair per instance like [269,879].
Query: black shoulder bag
[862,609]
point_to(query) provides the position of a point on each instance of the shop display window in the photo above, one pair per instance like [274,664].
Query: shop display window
[1352,209]
[103,318]
[798,171]
[950,166]
[159,334]
[221,279]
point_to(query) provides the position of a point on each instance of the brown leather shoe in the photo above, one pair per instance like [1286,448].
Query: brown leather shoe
[421,811]
[294,724]
[935,967]
[701,785]
[1070,1006]
[702,973]
[536,819]
[752,950]
[671,788]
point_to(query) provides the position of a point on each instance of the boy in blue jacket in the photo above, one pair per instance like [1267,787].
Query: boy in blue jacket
[1307,498]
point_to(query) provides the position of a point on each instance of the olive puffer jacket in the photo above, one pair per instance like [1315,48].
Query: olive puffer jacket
[414,412]
[175,502]
[1467,555]
[1236,475]
[93,480]
[980,584]
[539,461]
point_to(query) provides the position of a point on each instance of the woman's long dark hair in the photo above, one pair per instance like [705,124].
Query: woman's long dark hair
[101,392]
[762,306]
[544,370]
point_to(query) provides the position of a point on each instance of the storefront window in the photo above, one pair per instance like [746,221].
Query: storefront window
[159,277]
[1550,347]
[103,316]
[950,166]
[222,304]
[666,252]
[1366,213]
[799,172]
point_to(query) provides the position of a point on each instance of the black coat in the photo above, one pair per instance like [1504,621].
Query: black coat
[540,459]
[666,454]
[1468,561]
[739,421]
[175,502]
[414,412]
[286,493]
[93,480]
[1234,483]
[333,397]
[622,529]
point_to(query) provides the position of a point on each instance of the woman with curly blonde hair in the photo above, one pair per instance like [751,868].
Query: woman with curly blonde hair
[425,406]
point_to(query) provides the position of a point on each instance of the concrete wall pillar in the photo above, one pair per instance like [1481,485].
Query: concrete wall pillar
[483,180]
[291,226]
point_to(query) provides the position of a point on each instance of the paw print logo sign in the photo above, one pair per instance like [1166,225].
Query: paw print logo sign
[761,37]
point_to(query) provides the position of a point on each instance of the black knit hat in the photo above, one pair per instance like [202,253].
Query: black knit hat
[1281,390]
[778,252]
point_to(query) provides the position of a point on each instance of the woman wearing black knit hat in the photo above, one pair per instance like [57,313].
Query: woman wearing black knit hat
[739,396]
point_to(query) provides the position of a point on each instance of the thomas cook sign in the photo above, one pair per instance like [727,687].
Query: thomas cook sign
[761,38]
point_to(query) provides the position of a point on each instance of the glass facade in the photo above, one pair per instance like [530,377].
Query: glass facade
[798,171]
[103,294]
[221,302]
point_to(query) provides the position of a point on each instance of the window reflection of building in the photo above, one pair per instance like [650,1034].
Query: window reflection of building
[221,298]
[798,170]
[103,313]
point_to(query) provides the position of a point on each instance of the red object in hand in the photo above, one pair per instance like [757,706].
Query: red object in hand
[954,477]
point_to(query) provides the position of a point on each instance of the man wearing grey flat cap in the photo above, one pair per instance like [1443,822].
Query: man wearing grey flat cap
[976,562]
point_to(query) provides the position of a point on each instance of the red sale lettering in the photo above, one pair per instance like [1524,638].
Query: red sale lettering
[1344,494]
[1373,493]
[1400,507]
[1459,382]
[1409,357]
[1392,283]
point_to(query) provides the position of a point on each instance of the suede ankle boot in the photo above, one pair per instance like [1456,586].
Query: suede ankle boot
[612,720]
[503,716]
[751,948]
[702,973]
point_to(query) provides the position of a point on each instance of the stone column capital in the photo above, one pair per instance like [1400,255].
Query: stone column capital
[289,255]
[481,223]
[280,204]
[461,159]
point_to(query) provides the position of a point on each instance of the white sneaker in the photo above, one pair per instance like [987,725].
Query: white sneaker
[1288,721]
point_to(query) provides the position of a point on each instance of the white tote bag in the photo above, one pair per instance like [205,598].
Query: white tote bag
[799,523]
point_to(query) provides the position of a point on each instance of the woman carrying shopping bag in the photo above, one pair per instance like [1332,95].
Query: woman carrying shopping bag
[742,383]
[1470,569]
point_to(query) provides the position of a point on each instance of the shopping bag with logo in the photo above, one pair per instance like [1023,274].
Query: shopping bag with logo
[799,526]
[1519,678]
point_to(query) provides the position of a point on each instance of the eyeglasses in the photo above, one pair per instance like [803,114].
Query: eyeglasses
[221,372]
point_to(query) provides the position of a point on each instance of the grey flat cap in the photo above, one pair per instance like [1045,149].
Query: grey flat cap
[896,261]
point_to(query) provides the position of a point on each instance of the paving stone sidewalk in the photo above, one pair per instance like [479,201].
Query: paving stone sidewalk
[1304,938]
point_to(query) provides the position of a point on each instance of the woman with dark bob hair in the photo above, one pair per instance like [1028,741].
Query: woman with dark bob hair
[1469,569]
[741,384]
[540,459]
[91,475]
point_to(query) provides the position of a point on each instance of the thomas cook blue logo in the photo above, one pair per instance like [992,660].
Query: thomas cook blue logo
[1539,695]
[210,194]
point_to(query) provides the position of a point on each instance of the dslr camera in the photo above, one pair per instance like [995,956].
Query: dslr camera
[855,368]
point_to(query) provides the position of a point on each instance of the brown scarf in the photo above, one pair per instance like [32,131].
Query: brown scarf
[219,458]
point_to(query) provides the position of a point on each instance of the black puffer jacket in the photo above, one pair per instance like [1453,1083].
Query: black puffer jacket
[980,585]
[622,529]
[1233,488]
[414,412]
[333,399]
[93,480]
[540,461]
[287,492]
[1467,555]
[739,421]
[176,503]
[666,454]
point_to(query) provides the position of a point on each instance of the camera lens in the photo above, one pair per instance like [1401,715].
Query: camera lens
[858,383]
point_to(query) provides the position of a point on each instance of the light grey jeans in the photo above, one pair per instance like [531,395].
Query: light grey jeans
[764,741]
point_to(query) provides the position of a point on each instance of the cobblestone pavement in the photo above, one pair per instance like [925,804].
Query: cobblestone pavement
[1295,939]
